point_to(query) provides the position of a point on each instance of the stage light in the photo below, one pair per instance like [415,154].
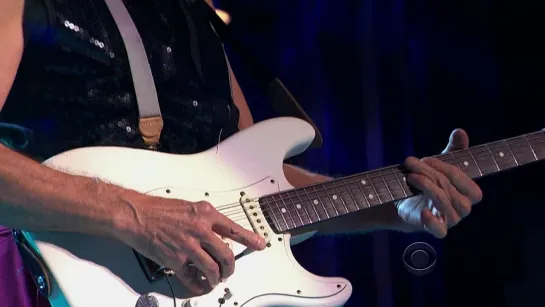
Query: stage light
[224,16]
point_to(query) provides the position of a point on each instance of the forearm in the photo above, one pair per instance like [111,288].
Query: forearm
[380,217]
[37,198]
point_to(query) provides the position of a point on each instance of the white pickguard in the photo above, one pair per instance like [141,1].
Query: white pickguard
[94,271]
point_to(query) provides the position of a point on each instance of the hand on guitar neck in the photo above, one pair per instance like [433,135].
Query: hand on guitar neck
[448,193]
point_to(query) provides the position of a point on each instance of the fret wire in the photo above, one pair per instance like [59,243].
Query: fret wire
[403,181]
[341,198]
[315,211]
[358,190]
[296,212]
[538,144]
[319,202]
[330,198]
[512,153]
[374,190]
[282,215]
[539,141]
[400,184]
[531,148]
[271,209]
[387,187]
[493,158]
[365,194]
[455,161]
[486,159]
[287,209]
[352,196]
[475,161]
[306,211]
[323,206]
[268,204]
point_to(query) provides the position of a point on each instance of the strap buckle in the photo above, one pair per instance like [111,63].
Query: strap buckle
[150,130]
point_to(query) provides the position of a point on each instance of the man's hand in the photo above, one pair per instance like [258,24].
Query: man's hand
[448,193]
[176,233]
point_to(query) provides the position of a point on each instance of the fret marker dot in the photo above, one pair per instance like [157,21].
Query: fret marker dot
[335,197]
[501,154]
[404,179]
[371,196]
[315,201]
[283,210]
[466,163]
[363,182]
[298,206]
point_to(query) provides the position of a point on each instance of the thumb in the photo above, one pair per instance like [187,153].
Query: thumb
[458,140]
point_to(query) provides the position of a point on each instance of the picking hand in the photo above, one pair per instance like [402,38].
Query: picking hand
[176,233]
[448,194]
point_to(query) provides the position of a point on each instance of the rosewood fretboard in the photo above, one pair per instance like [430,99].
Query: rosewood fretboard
[296,208]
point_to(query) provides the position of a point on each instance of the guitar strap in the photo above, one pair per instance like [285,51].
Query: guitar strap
[150,122]
[280,98]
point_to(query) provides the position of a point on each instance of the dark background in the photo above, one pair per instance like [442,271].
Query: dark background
[384,79]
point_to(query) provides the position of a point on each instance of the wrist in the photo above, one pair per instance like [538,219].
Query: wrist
[126,223]
[107,214]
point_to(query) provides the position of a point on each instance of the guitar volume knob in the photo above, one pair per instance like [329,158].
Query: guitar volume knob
[190,303]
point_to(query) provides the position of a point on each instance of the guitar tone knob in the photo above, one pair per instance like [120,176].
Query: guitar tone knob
[147,300]
[190,303]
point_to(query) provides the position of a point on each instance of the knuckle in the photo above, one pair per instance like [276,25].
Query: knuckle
[442,181]
[212,269]
[456,174]
[411,161]
[205,207]
[453,170]
[430,161]
[414,178]
[190,245]
[182,258]
[193,208]
[228,258]
[201,228]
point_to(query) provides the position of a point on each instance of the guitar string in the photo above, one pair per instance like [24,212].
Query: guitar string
[451,159]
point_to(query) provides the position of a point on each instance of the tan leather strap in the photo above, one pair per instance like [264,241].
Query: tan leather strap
[151,122]
[150,129]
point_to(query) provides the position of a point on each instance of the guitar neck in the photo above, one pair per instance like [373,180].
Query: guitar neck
[317,203]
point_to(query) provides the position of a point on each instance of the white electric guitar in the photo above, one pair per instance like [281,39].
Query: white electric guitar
[243,178]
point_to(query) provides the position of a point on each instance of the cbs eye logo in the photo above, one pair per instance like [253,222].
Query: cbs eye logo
[419,258]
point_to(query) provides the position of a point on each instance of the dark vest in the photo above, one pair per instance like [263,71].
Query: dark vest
[74,88]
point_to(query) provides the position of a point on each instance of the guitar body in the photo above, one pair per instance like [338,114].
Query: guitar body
[90,271]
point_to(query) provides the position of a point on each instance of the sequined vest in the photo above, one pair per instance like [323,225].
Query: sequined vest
[74,88]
